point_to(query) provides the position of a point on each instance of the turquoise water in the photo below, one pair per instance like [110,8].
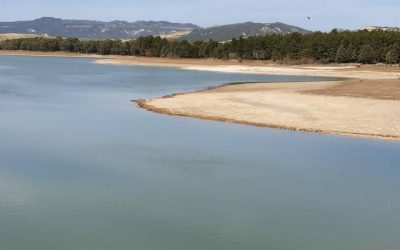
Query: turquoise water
[81,167]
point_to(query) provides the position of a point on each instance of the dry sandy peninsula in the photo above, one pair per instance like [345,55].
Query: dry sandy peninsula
[349,107]
[366,104]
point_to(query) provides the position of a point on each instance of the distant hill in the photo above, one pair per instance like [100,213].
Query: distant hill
[227,32]
[86,29]
[94,29]
[16,36]
[382,28]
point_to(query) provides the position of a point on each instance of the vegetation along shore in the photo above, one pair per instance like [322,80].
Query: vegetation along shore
[340,47]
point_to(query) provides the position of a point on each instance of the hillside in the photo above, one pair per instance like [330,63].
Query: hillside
[381,28]
[94,29]
[16,36]
[227,32]
[85,29]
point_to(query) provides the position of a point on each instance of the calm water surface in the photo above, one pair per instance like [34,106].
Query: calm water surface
[82,168]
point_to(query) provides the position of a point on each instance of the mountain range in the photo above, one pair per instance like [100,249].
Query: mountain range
[227,32]
[87,29]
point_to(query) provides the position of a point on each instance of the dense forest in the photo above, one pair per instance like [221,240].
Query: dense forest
[341,47]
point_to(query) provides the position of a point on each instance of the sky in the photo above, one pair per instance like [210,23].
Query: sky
[325,15]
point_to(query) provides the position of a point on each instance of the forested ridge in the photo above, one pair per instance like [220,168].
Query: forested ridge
[341,47]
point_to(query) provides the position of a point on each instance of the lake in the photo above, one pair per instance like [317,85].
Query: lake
[83,168]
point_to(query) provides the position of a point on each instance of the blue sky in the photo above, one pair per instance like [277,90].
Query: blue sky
[349,14]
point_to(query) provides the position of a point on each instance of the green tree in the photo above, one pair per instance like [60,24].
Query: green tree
[393,55]
[341,56]
[367,54]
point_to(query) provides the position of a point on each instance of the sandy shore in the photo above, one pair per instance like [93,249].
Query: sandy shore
[49,54]
[263,67]
[334,107]
[367,104]
[234,66]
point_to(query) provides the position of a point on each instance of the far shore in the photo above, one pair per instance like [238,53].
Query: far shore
[366,103]
[47,54]
[355,71]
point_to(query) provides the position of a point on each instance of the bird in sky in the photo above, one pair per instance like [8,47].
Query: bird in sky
[309,18]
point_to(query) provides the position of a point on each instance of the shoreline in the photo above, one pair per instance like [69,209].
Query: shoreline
[48,54]
[365,104]
[354,71]
[303,107]
[143,104]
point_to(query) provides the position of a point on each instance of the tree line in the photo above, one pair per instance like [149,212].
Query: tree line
[340,47]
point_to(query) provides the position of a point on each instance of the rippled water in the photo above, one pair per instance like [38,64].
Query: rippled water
[81,167]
